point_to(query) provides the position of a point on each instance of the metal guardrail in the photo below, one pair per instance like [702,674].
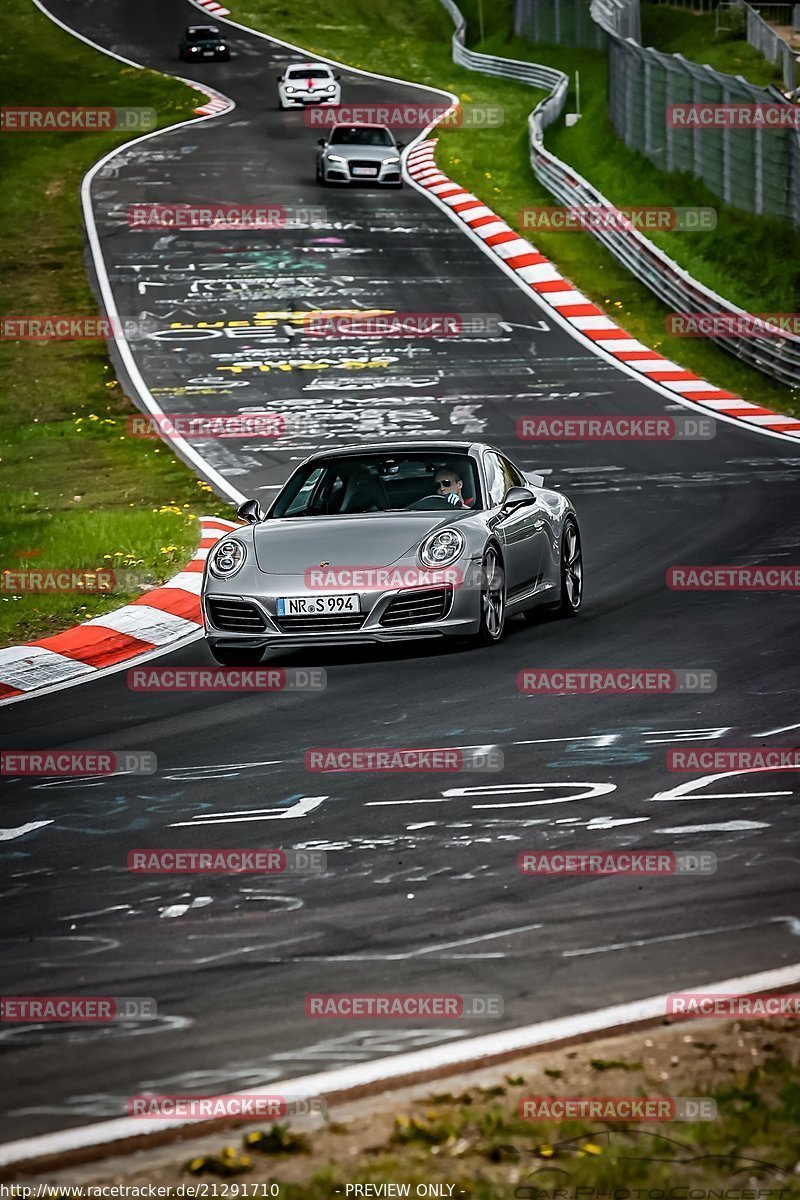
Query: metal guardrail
[777,357]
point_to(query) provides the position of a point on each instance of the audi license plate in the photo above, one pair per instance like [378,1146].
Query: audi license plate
[303,606]
[365,170]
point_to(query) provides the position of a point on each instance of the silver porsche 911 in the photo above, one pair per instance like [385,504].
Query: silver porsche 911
[392,542]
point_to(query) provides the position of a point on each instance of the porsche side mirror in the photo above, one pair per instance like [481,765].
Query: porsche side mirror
[250,511]
[517,497]
[337,77]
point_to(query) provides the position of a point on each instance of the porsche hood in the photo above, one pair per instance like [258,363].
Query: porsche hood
[298,544]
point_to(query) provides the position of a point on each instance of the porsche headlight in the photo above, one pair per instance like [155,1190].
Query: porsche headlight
[227,558]
[442,548]
[331,87]
[289,90]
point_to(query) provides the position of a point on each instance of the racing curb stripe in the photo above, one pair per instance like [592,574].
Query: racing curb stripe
[213,7]
[534,269]
[159,618]
[128,1134]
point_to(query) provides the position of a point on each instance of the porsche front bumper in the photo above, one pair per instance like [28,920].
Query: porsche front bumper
[236,620]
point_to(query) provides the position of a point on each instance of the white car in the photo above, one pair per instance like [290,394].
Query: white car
[308,83]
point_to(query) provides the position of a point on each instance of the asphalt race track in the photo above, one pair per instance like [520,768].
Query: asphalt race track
[422,891]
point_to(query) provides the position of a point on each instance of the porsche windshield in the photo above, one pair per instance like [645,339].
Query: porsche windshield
[367,484]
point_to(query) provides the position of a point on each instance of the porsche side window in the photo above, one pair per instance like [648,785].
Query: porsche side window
[512,476]
[495,478]
[303,497]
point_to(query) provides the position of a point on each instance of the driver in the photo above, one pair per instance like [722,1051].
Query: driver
[450,485]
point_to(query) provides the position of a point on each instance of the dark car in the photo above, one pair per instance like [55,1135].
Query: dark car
[202,42]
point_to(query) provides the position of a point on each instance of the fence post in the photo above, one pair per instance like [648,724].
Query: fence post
[759,172]
[697,135]
[727,181]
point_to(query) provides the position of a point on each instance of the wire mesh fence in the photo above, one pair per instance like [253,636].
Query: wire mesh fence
[755,167]
[763,38]
[558,22]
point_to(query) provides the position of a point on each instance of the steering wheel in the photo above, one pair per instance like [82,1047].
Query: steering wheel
[428,502]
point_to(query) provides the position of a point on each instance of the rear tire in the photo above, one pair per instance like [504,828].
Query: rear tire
[230,656]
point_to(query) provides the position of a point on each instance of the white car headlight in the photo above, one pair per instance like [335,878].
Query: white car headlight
[337,158]
[391,162]
[289,89]
[331,87]
[222,47]
[227,558]
[442,548]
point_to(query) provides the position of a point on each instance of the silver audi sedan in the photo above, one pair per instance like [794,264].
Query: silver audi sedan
[392,542]
[359,154]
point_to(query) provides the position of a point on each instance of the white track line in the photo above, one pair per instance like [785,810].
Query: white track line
[402,1069]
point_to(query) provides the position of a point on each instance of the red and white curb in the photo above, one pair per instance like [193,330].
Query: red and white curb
[384,1074]
[216,103]
[535,270]
[212,7]
[167,615]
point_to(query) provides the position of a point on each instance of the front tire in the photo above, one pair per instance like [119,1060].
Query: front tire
[232,656]
[571,572]
[493,598]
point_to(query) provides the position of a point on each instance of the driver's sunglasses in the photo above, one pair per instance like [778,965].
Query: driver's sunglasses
[445,483]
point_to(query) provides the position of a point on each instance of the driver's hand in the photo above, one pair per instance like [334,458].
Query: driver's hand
[453,499]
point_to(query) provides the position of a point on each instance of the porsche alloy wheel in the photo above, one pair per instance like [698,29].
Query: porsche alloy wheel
[571,571]
[493,598]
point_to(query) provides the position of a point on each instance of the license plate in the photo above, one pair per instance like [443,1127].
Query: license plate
[303,606]
[365,170]
[208,54]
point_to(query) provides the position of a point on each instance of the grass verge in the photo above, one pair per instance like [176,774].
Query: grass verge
[469,1137]
[76,492]
[753,261]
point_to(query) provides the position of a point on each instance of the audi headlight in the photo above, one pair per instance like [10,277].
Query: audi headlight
[391,162]
[337,158]
[227,558]
[442,548]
